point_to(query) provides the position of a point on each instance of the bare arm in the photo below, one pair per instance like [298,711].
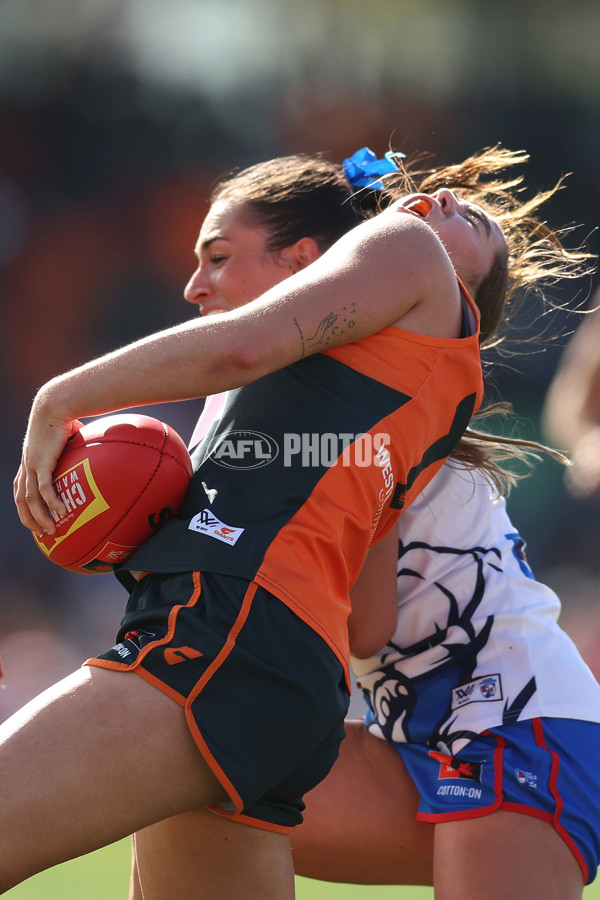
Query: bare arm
[571,415]
[371,278]
[572,404]
[374,599]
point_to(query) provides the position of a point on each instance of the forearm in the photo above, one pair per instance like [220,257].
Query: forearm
[190,360]
[177,364]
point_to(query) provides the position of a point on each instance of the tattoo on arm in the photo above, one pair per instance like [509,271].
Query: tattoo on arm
[297,324]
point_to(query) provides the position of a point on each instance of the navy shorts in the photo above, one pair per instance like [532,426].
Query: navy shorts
[547,768]
[265,697]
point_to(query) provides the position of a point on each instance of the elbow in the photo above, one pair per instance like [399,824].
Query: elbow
[243,362]
[363,645]
[248,363]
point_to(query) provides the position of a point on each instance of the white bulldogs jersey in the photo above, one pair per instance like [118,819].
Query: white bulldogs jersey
[477,644]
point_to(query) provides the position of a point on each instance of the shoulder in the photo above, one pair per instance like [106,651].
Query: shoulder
[398,237]
[398,255]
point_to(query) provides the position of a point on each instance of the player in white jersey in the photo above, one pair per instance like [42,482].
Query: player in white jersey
[488,629]
[487,714]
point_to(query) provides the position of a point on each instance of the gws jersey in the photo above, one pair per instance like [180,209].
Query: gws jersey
[477,644]
[305,468]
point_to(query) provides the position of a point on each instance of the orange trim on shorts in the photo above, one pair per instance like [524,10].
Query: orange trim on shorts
[171,623]
[217,662]
[228,646]
[249,820]
[161,686]
[135,667]
[151,679]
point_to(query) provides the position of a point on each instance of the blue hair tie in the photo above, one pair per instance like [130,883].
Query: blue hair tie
[363,169]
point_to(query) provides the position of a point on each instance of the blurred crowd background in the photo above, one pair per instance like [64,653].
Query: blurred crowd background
[117,116]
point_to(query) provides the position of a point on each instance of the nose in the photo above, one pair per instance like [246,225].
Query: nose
[446,199]
[197,288]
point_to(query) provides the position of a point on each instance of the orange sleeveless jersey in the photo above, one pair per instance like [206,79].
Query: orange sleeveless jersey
[307,467]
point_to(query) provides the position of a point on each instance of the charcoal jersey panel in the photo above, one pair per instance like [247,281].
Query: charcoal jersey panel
[300,523]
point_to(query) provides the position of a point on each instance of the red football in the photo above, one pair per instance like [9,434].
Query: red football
[120,478]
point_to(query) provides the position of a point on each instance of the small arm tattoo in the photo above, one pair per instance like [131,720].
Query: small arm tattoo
[297,324]
[333,324]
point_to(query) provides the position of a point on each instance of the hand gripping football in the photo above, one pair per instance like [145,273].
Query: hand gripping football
[120,477]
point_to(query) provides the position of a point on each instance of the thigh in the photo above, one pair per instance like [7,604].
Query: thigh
[268,739]
[201,855]
[503,856]
[359,824]
[545,769]
[96,757]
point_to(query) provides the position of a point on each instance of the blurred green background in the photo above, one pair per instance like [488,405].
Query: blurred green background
[106,874]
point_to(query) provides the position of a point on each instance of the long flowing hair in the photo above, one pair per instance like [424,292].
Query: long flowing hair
[537,259]
[537,255]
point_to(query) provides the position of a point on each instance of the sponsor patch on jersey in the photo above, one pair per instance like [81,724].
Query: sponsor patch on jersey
[456,768]
[480,690]
[206,522]
[139,637]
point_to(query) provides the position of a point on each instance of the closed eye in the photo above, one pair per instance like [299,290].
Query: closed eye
[476,217]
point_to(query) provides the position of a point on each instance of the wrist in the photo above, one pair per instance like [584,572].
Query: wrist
[54,403]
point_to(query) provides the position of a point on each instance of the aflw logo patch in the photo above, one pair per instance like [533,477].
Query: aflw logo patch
[207,523]
[480,690]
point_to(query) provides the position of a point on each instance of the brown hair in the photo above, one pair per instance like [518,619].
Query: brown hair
[487,452]
[536,259]
[536,256]
[293,197]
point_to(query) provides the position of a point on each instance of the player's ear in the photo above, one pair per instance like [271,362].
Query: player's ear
[301,254]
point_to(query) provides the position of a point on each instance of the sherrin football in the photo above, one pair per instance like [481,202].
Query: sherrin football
[120,477]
